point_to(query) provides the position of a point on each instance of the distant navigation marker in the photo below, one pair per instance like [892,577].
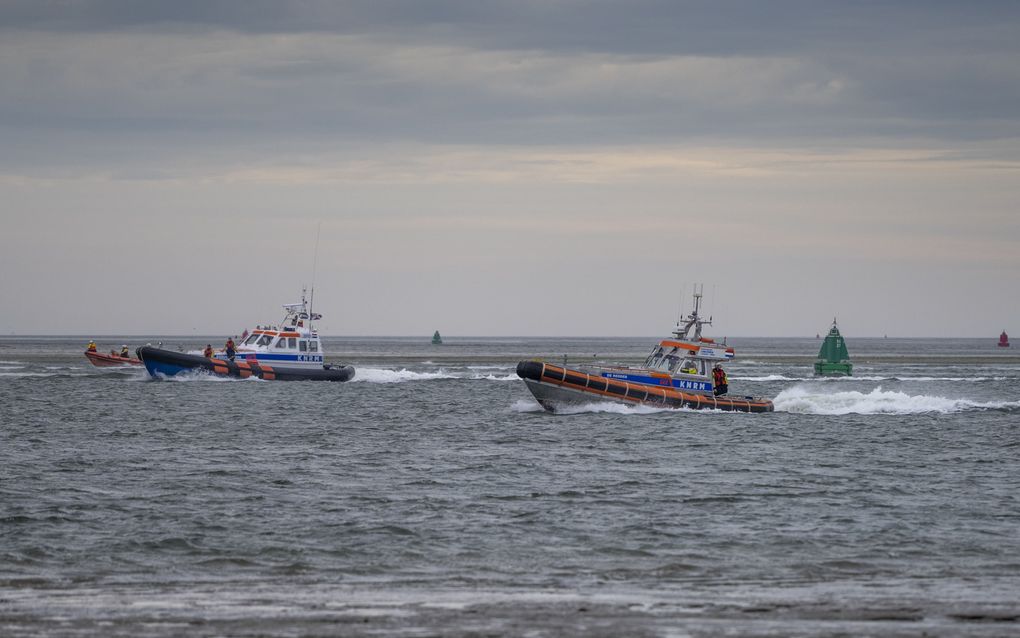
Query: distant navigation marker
[833,358]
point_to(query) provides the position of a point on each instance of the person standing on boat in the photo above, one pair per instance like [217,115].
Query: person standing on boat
[230,349]
[207,353]
[124,352]
[92,346]
[720,380]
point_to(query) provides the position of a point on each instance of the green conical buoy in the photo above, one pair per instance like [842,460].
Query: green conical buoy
[833,358]
[436,339]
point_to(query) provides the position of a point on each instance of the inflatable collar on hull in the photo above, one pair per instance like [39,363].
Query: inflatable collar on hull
[167,363]
[101,360]
[582,385]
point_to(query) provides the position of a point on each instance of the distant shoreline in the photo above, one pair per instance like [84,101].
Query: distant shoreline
[459,337]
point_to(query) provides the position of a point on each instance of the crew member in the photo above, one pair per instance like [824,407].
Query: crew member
[720,380]
[124,352]
[92,346]
[207,353]
[230,349]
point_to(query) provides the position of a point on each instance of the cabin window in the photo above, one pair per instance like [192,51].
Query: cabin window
[250,340]
[667,361]
[281,342]
[654,357]
[313,346]
[265,340]
[303,345]
[689,366]
[292,342]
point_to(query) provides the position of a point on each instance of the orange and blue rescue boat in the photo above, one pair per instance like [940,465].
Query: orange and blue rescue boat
[291,351]
[678,373]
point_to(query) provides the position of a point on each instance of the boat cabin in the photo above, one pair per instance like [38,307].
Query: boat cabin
[678,357]
[279,340]
[295,341]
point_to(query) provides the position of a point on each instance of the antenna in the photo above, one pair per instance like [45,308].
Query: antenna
[680,306]
[315,263]
[683,294]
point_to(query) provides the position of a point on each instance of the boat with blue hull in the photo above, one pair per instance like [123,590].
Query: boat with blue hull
[167,363]
[291,351]
[684,371]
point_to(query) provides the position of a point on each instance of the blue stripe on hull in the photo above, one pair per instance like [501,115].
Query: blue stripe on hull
[278,358]
[679,384]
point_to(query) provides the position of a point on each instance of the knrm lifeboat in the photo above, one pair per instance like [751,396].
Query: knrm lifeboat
[680,372]
[291,351]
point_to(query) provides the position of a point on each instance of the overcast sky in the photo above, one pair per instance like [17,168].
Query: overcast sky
[553,167]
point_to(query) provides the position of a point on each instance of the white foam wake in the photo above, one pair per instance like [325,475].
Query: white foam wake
[781,377]
[381,375]
[809,401]
[493,377]
[201,375]
[524,405]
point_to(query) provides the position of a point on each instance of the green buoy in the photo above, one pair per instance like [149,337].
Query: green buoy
[833,358]
[436,339]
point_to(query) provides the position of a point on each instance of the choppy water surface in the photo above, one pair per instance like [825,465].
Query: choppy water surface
[431,496]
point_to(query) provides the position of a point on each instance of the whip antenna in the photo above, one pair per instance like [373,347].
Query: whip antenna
[680,306]
[315,263]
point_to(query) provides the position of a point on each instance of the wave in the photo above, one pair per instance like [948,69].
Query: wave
[381,375]
[780,377]
[189,376]
[963,379]
[11,367]
[806,401]
[386,375]
[524,405]
[493,377]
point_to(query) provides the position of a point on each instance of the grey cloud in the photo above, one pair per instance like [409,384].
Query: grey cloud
[173,79]
[664,27]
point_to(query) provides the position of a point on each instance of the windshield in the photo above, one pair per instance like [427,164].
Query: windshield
[654,357]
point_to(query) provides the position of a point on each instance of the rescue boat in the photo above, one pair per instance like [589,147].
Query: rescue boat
[101,360]
[676,374]
[291,351]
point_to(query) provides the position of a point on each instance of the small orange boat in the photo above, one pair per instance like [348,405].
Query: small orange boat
[101,360]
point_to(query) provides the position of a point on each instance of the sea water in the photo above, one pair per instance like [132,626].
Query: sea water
[433,496]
